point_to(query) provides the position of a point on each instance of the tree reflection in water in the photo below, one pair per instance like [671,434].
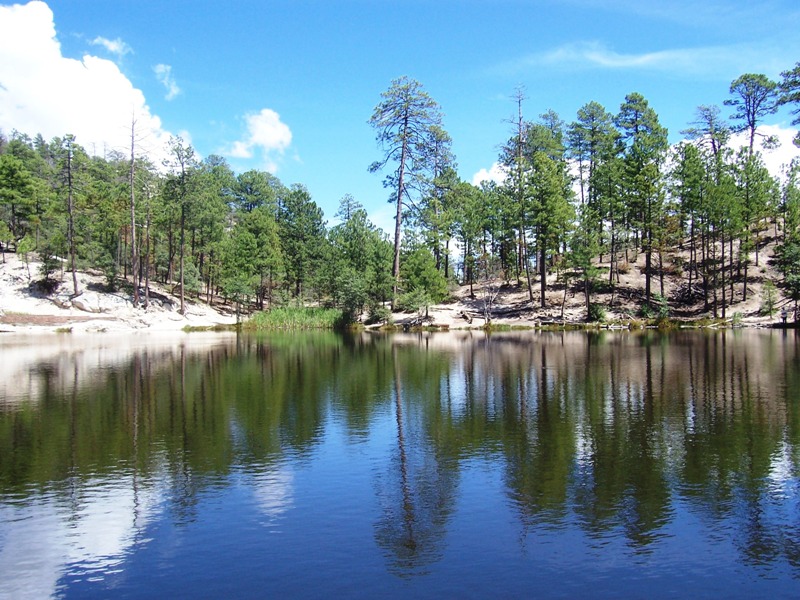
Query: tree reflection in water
[418,492]
[610,435]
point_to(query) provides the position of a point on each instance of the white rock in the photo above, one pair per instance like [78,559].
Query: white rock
[87,302]
[99,303]
[62,301]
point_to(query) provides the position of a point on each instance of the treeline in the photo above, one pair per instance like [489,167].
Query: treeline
[600,189]
[194,224]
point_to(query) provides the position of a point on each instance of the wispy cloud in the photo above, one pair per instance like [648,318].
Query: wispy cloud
[265,133]
[116,47]
[164,76]
[705,61]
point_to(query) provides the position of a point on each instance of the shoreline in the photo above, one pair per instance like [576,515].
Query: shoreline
[96,310]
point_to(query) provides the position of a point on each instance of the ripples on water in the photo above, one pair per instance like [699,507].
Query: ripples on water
[448,465]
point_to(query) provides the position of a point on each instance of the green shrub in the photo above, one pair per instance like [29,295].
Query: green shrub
[378,313]
[768,298]
[646,311]
[661,307]
[417,300]
[418,272]
[657,309]
[110,272]
[48,267]
[596,313]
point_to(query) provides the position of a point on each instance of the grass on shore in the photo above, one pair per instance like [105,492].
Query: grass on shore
[296,318]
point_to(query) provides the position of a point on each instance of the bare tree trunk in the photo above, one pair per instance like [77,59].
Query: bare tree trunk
[134,256]
[183,244]
[527,266]
[447,258]
[739,264]
[722,272]
[712,258]
[168,276]
[398,219]
[612,257]
[692,253]
[648,262]
[147,257]
[543,275]
[758,228]
[71,218]
[704,261]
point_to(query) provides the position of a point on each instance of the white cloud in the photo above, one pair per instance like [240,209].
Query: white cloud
[117,46]
[779,158]
[495,173]
[266,134]
[41,91]
[186,136]
[165,78]
[776,160]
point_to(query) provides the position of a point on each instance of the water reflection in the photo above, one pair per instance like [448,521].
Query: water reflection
[684,440]
[417,493]
[85,527]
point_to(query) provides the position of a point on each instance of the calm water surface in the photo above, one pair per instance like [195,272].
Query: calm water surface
[430,466]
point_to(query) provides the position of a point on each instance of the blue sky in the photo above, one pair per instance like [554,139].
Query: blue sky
[289,86]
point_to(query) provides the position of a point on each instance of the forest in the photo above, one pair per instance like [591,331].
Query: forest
[597,189]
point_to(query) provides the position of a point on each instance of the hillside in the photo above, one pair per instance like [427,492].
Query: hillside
[23,308]
[512,306]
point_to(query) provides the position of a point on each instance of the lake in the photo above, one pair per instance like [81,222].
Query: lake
[436,465]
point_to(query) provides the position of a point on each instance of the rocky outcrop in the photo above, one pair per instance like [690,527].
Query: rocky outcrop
[100,303]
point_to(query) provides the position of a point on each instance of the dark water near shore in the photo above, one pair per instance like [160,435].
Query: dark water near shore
[449,465]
